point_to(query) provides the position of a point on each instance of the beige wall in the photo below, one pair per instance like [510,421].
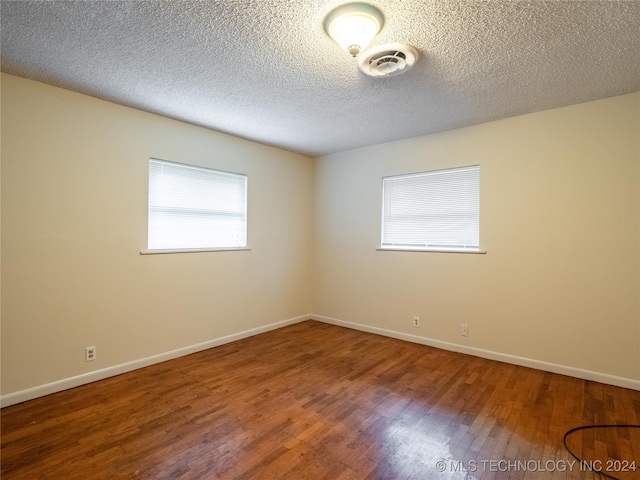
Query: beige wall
[560,217]
[560,220]
[74,219]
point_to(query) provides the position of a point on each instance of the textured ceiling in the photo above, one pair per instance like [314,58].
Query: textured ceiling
[265,70]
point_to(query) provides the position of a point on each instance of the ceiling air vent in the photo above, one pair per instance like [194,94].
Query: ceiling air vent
[387,60]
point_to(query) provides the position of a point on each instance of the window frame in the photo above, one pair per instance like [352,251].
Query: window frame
[412,247]
[156,251]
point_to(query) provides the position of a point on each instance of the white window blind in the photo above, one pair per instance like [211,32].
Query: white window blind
[438,210]
[195,208]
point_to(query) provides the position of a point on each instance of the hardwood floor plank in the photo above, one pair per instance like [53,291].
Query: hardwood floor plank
[316,401]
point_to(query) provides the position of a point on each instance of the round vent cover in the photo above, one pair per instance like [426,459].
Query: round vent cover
[387,60]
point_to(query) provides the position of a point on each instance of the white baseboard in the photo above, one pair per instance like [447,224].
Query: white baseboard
[501,357]
[76,381]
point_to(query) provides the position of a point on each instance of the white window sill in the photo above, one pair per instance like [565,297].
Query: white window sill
[430,250]
[193,250]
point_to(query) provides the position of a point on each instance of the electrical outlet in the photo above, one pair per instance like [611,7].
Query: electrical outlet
[416,322]
[90,354]
[464,330]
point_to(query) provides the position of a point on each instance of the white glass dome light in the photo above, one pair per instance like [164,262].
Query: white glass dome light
[354,25]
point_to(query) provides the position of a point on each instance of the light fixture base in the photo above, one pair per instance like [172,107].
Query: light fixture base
[354,50]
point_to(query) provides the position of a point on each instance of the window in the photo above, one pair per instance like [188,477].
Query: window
[195,208]
[438,210]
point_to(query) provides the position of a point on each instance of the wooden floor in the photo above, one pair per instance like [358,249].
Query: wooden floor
[316,401]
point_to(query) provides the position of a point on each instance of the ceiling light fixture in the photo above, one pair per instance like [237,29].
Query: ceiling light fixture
[354,25]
